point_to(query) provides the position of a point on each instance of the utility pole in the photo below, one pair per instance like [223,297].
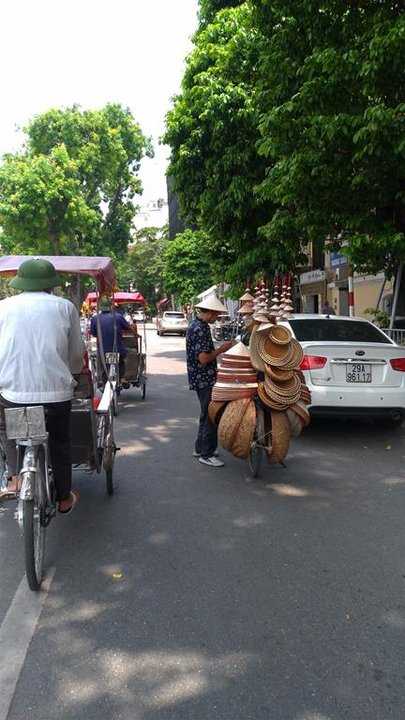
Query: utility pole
[396,294]
[351,292]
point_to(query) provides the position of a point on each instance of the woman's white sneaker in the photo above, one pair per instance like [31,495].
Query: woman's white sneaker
[211,461]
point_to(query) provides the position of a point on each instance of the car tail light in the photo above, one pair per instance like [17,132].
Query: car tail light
[398,364]
[313,362]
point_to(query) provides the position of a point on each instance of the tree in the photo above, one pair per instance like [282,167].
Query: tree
[332,98]
[213,133]
[72,189]
[143,267]
[209,8]
[187,268]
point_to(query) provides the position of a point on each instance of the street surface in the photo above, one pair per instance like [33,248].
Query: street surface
[198,594]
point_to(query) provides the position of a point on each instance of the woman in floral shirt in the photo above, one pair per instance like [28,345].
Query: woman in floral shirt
[202,375]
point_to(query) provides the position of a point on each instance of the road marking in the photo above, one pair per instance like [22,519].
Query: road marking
[16,632]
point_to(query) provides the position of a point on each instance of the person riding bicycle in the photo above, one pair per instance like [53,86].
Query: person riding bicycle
[41,348]
[113,326]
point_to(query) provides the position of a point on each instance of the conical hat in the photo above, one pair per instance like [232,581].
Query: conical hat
[246,309]
[280,335]
[257,361]
[273,354]
[211,303]
[269,401]
[246,297]
[279,375]
[264,327]
[238,351]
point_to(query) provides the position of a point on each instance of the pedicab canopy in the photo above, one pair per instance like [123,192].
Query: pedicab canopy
[120,298]
[100,268]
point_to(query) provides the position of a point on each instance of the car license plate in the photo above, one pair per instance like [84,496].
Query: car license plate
[358,373]
[111,357]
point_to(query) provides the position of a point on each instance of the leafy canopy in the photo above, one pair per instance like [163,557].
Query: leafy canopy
[332,98]
[72,189]
[143,267]
[290,128]
[187,268]
[213,133]
[209,8]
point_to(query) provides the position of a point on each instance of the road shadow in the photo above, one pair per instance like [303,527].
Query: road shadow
[195,593]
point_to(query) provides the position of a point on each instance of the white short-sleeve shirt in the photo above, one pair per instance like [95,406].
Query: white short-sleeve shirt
[40,347]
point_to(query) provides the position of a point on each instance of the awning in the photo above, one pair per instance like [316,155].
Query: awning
[121,298]
[100,268]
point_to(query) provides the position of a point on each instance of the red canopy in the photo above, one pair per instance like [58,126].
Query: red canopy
[100,268]
[121,298]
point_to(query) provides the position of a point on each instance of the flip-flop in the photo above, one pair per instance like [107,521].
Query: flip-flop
[75,499]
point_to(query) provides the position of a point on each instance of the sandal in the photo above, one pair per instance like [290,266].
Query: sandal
[75,499]
[7,494]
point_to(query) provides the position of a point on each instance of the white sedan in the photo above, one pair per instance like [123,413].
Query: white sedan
[351,367]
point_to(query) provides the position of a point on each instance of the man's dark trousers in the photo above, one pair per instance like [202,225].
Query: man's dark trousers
[57,419]
[207,440]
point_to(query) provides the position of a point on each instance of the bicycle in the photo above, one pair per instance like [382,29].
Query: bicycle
[37,497]
[258,447]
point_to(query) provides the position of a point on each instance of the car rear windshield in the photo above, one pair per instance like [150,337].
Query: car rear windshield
[175,315]
[324,330]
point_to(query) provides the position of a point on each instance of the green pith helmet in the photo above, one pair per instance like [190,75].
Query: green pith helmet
[105,305]
[36,274]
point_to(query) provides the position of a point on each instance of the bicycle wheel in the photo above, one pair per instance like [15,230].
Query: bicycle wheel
[256,448]
[34,526]
[109,451]
[143,390]
[115,403]
[34,544]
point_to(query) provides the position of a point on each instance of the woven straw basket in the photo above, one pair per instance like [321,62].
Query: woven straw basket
[214,411]
[280,437]
[244,436]
[230,421]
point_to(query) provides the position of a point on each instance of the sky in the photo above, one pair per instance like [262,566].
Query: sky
[55,53]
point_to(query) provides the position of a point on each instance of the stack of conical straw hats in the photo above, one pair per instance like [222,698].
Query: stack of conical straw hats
[247,302]
[278,355]
[282,389]
[236,378]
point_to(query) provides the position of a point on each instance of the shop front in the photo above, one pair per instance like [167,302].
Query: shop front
[313,291]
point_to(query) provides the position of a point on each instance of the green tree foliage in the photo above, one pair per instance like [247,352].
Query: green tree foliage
[72,189]
[332,94]
[213,132]
[143,267]
[187,268]
[209,8]
[290,128]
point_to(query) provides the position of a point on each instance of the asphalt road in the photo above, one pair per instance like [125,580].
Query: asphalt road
[199,594]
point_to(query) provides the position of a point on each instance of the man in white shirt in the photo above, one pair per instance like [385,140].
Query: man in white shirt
[40,348]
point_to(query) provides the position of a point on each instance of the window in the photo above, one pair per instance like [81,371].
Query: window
[324,330]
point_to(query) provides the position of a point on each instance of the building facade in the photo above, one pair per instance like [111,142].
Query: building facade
[331,282]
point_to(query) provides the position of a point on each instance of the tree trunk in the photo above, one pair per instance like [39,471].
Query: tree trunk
[55,241]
